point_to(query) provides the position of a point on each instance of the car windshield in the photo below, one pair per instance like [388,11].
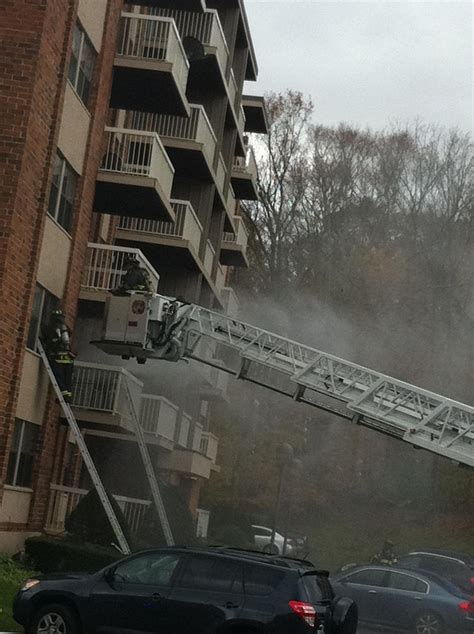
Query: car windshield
[317,587]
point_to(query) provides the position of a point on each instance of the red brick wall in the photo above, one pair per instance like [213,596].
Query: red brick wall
[34,37]
[98,106]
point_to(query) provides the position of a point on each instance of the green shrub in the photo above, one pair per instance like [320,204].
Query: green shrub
[225,517]
[61,555]
[89,523]
[231,536]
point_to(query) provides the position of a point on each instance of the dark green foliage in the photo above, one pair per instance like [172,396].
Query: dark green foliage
[230,527]
[48,554]
[233,536]
[89,523]
[182,525]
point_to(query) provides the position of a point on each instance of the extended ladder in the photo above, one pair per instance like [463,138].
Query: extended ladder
[96,481]
[422,418]
[150,473]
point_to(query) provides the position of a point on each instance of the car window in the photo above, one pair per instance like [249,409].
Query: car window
[443,565]
[318,587]
[400,581]
[370,577]
[262,532]
[261,580]
[212,573]
[149,569]
[413,561]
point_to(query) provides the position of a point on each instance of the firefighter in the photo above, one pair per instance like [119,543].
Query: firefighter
[135,278]
[57,343]
[387,555]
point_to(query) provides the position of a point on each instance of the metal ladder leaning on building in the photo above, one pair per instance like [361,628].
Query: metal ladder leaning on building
[91,468]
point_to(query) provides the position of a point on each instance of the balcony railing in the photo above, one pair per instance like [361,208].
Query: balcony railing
[240,237]
[209,445]
[158,416]
[63,500]
[247,165]
[205,27]
[209,257]
[102,388]
[186,226]
[184,428]
[104,267]
[196,128]
[197,433]
[151,37]
[139,153]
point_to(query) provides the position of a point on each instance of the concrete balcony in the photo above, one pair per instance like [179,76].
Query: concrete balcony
[179,240]
[63,500]
[151,68]
[190,142]
[234,245]
[220,278]
[159,420]
[209,446]
[198,459]
[206,29]
[100,394]
[256,116]
[135,177]
[104,269]
[244,177]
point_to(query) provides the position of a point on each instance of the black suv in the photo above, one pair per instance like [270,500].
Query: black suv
[190,591]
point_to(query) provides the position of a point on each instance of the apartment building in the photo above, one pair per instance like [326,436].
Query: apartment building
[122,131]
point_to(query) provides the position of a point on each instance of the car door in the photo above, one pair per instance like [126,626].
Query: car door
[208,593]
[262,536]
[403,596]
[133,597]
[364,587]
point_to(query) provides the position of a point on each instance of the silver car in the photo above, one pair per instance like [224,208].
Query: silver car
[263,538]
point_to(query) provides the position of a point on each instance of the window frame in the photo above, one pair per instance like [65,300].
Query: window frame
[40,323]
[84,38]
[351,575]
[54,214]
[236,584]
[414,577]
[116,569]
[19,453]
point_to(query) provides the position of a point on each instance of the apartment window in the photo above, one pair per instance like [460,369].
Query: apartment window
[81,66]
[43,304]
[62,193]
[22,454]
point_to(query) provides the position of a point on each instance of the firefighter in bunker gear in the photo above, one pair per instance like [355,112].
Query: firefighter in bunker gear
[135,277]
[57,343]
[386,556]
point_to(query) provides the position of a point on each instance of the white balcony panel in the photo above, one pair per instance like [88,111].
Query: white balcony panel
[158,416]
[197,433]
[184,427]
[209,445]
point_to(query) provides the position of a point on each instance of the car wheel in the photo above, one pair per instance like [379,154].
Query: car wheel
[428,623]
[271,549]
[54,619]
[345,616]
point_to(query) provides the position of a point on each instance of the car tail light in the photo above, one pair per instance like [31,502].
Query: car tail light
[304,611]
[467,607]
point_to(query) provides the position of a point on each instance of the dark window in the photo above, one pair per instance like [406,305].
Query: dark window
[261,580]
[22,453]
[43,305]
[442,565]
[81,66]
[212,573]
[148,569]
[62,192]
[406,582]
[318,587]
[261,532]
[367,577]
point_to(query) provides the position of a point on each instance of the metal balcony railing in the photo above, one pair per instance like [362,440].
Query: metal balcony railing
[184,428]
[205,27]
[246,164]
[240,237]
[104,267]
[209,258]
[102,388]
[196,128]
[63,500]
[197,434]
[137,153]
[209,445]
[152,37]
[158,416]
[186,226]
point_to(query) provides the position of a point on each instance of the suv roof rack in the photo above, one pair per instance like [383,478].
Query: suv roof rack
[266,557]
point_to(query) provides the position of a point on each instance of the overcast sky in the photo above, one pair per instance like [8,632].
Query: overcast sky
[368,63]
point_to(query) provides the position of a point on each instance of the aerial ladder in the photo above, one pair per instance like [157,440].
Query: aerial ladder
[153,326]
